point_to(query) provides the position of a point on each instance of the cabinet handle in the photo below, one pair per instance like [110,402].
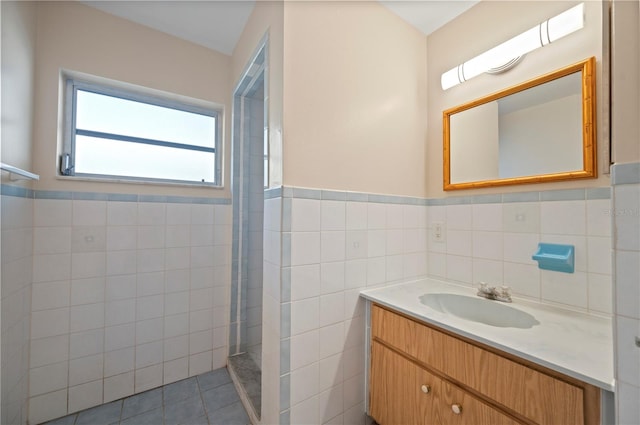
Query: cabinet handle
[457,409]
[425,389]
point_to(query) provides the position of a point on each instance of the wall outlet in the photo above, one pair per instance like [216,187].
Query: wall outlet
[437,231]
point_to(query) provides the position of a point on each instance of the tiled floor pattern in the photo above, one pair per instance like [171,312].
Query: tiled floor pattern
[207,399]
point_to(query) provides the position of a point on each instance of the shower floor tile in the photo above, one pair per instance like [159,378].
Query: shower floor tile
[206,399]
[250,377]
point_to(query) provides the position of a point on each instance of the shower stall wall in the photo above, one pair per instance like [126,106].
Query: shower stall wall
[249,181]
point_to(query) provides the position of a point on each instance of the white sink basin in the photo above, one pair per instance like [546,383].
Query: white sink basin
[477,309]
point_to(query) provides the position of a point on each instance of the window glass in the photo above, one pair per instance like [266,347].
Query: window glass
[125,135]
[116,158]
[110,114]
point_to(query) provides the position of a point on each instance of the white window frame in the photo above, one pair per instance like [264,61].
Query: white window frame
[136,94]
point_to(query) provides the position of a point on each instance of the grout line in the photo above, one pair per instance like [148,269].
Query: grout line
[204,406]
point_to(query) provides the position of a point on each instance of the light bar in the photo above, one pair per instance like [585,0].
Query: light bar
[545,33]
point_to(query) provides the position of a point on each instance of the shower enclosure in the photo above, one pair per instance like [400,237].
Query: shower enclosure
[249,179]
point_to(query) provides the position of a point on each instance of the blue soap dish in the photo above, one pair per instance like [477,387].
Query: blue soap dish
[555,257]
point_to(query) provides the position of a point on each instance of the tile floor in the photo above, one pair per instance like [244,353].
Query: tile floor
[250,377]
[207,399]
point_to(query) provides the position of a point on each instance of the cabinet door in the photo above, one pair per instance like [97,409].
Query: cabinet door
[461,408]
[401,392]
[538,396]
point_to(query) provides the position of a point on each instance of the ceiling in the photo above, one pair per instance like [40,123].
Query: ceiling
[218,24]
[427,15]
[213,24]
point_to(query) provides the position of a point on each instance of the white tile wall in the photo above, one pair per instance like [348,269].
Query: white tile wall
[337,249]
[356,216]
[626,214]
[305,248]
[118,386]
[386,243]
[495,242]
[305,282]
[251,329]
[16,268]
[48,378]
[45,406]
[272,305]
[145,304]
[126,298]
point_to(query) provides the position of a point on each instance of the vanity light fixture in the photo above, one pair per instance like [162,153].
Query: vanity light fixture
[509,53]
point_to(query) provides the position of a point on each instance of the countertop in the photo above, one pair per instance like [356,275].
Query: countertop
[570,342]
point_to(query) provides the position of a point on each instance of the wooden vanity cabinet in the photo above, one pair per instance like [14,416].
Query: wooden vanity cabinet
[467,382]
[469,410]
[404,393]
[401,391]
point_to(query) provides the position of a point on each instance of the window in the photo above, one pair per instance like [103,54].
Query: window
[115,133]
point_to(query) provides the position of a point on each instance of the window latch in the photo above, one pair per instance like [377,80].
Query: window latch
[65,165]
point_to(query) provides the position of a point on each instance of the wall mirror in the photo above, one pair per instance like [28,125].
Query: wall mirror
[542,130]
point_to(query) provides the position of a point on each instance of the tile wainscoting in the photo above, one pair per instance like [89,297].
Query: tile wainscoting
[132,292]
[128,293]
[626,213]
[334,244]
[17,260]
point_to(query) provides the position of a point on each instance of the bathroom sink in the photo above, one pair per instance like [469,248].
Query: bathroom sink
[476,309]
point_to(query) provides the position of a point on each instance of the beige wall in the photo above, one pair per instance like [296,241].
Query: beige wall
[266,18]
[79,38]
[354,99]
[486,25]
[18,67]
[625,122]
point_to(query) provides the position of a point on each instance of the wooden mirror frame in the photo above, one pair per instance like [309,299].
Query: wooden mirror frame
[587,68]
